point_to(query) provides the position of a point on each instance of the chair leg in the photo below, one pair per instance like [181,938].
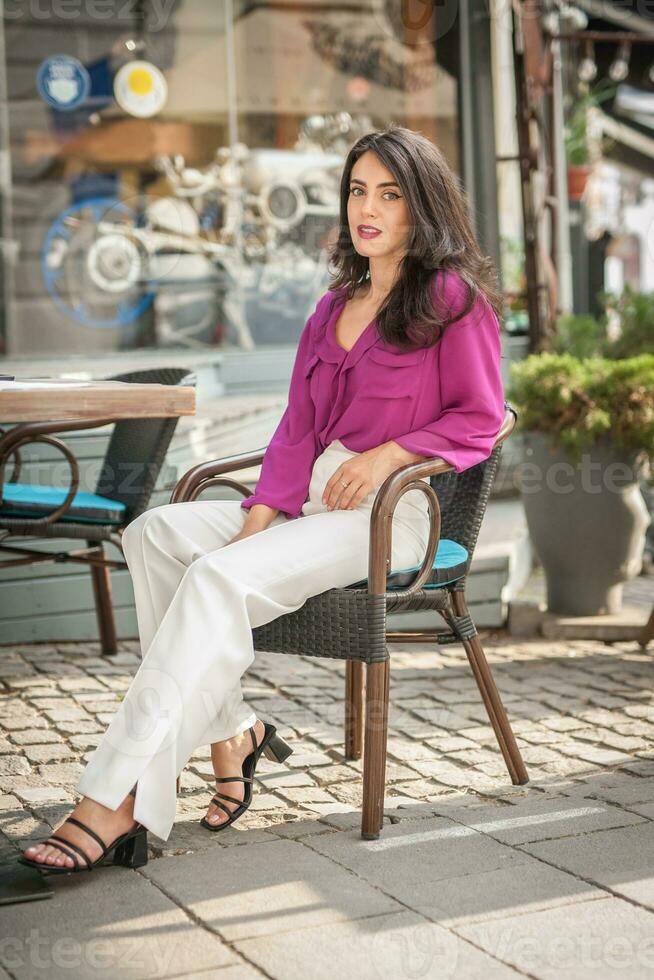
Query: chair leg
[101,578]
[374,748]
[353,709]
[492,700]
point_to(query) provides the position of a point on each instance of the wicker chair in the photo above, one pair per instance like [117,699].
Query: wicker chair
[350,624]
[134,456]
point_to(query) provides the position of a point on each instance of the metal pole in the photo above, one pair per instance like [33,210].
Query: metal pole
[8,247]
[563,252]
[232,109]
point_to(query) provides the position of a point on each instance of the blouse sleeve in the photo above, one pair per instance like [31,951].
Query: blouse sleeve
[288,461]
[472,393]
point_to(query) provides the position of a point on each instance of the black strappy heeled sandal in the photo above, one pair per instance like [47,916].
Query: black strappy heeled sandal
[274,748]
[130,850]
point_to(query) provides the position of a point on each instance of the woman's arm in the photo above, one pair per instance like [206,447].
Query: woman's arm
[286,467]
[472,393]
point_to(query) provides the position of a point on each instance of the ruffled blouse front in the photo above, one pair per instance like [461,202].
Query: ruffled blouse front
[446,400]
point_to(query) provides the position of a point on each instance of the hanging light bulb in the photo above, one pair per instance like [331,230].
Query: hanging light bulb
[588,66]
[551,23]
[575,19]
[578,19]
[619,68]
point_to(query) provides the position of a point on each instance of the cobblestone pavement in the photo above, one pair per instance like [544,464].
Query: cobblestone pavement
[470,876]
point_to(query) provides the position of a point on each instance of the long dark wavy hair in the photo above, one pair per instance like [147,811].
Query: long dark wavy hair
[440,238]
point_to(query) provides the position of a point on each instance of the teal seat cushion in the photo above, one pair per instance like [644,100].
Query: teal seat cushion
[450,564]
[32,500]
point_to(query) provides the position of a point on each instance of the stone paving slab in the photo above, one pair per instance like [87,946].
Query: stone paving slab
[506,892]
[603,940]
[241,972]
[412,860]
[275,886]
[112,923]
[619,860]
[383,946]
[525,820]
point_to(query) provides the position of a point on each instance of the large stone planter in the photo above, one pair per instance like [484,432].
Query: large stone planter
[647,490]
[587,522]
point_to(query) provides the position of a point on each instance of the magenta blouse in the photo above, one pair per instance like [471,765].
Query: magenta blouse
[446,400]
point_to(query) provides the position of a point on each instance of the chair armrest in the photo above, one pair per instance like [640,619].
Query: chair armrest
[395,485]
[205,475]
[54,515]
[17,461]
[26,432]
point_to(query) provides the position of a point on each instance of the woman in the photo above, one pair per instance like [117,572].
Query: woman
[399,361]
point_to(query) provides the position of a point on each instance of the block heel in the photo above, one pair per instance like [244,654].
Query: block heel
[276,749]
[129,850]
[133,853]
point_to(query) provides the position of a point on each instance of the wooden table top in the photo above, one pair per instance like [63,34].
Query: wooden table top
[42,399]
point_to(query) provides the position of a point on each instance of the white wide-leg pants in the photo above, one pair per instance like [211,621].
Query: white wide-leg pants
[197,601]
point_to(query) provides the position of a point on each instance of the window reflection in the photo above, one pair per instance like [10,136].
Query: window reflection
[192,207]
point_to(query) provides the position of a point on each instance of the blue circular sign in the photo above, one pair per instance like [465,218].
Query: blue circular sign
[63,81]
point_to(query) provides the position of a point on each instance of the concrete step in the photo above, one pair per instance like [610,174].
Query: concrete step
[529,616]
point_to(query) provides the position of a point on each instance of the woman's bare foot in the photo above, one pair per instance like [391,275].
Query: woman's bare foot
[108,824]
[227,758]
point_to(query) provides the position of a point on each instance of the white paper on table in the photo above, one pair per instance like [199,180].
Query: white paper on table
[26,385]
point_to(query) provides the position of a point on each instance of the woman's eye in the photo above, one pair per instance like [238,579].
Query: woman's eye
[394,196]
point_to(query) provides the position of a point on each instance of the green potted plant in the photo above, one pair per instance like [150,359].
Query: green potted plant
[633,316]
[625,329]
[577,151]
[516,319]
[588,427]
[580,335]
[580,146]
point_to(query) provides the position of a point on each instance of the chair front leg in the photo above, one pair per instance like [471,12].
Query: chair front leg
[101,578]
[491,698]
[374,748]
[353,709]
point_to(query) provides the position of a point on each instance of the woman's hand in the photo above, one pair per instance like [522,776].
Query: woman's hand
[245,532]
[363,473]
[257,518]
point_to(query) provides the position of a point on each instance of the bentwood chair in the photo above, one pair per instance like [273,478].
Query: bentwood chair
[132,461]
[350,624]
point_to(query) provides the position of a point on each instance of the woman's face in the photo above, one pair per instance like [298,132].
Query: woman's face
[376,201]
